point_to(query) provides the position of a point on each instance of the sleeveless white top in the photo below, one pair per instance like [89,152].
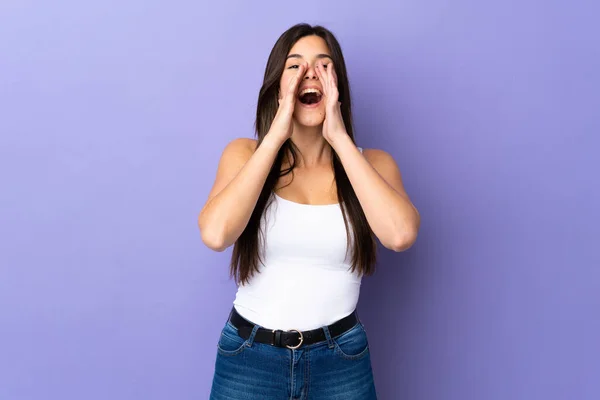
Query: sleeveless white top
[305,280]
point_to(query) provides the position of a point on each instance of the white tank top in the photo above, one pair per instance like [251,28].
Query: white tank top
[305,281]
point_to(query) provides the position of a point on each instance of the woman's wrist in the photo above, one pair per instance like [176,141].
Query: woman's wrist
[273,141]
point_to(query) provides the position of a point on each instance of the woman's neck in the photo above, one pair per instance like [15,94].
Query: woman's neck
[314,149]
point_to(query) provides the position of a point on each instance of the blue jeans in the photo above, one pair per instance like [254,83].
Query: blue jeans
[336,369]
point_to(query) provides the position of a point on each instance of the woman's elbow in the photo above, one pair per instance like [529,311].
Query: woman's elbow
[403,240]
[212,238]
[213,241]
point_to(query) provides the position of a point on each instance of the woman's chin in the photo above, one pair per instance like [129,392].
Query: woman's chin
[310,119]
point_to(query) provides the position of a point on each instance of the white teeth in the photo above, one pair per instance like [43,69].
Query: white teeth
[310,90]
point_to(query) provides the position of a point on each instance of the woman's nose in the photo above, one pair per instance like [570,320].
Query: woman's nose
[311,72]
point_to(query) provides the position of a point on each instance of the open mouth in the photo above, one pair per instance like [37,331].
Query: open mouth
[310,96]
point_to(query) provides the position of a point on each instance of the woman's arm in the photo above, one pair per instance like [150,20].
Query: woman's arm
[241,175]
[375,177]
[377,182]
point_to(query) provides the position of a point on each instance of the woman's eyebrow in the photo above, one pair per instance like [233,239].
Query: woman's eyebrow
[320,56]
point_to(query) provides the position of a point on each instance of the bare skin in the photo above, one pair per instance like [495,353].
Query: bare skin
[316,130]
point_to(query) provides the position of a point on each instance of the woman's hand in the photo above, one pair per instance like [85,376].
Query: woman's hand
[333,126]
[282,126]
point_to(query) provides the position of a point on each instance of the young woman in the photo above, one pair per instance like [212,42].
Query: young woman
[302,206]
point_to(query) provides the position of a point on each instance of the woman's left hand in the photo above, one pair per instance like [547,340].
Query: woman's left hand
[333,126]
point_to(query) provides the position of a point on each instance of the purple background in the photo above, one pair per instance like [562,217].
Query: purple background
[113,116]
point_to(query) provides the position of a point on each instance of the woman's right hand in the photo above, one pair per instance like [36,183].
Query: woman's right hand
[282,126]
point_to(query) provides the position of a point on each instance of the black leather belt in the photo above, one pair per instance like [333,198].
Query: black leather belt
[292,339]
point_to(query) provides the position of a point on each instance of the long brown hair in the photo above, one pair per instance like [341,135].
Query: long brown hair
[247,252]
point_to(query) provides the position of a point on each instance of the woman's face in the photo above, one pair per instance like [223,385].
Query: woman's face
[309,109]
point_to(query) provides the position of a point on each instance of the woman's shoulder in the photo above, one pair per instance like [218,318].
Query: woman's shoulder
[381,160]
[376,155]
[242,143]
[240,147]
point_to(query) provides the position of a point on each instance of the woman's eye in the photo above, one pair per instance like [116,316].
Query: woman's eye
[293,66]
